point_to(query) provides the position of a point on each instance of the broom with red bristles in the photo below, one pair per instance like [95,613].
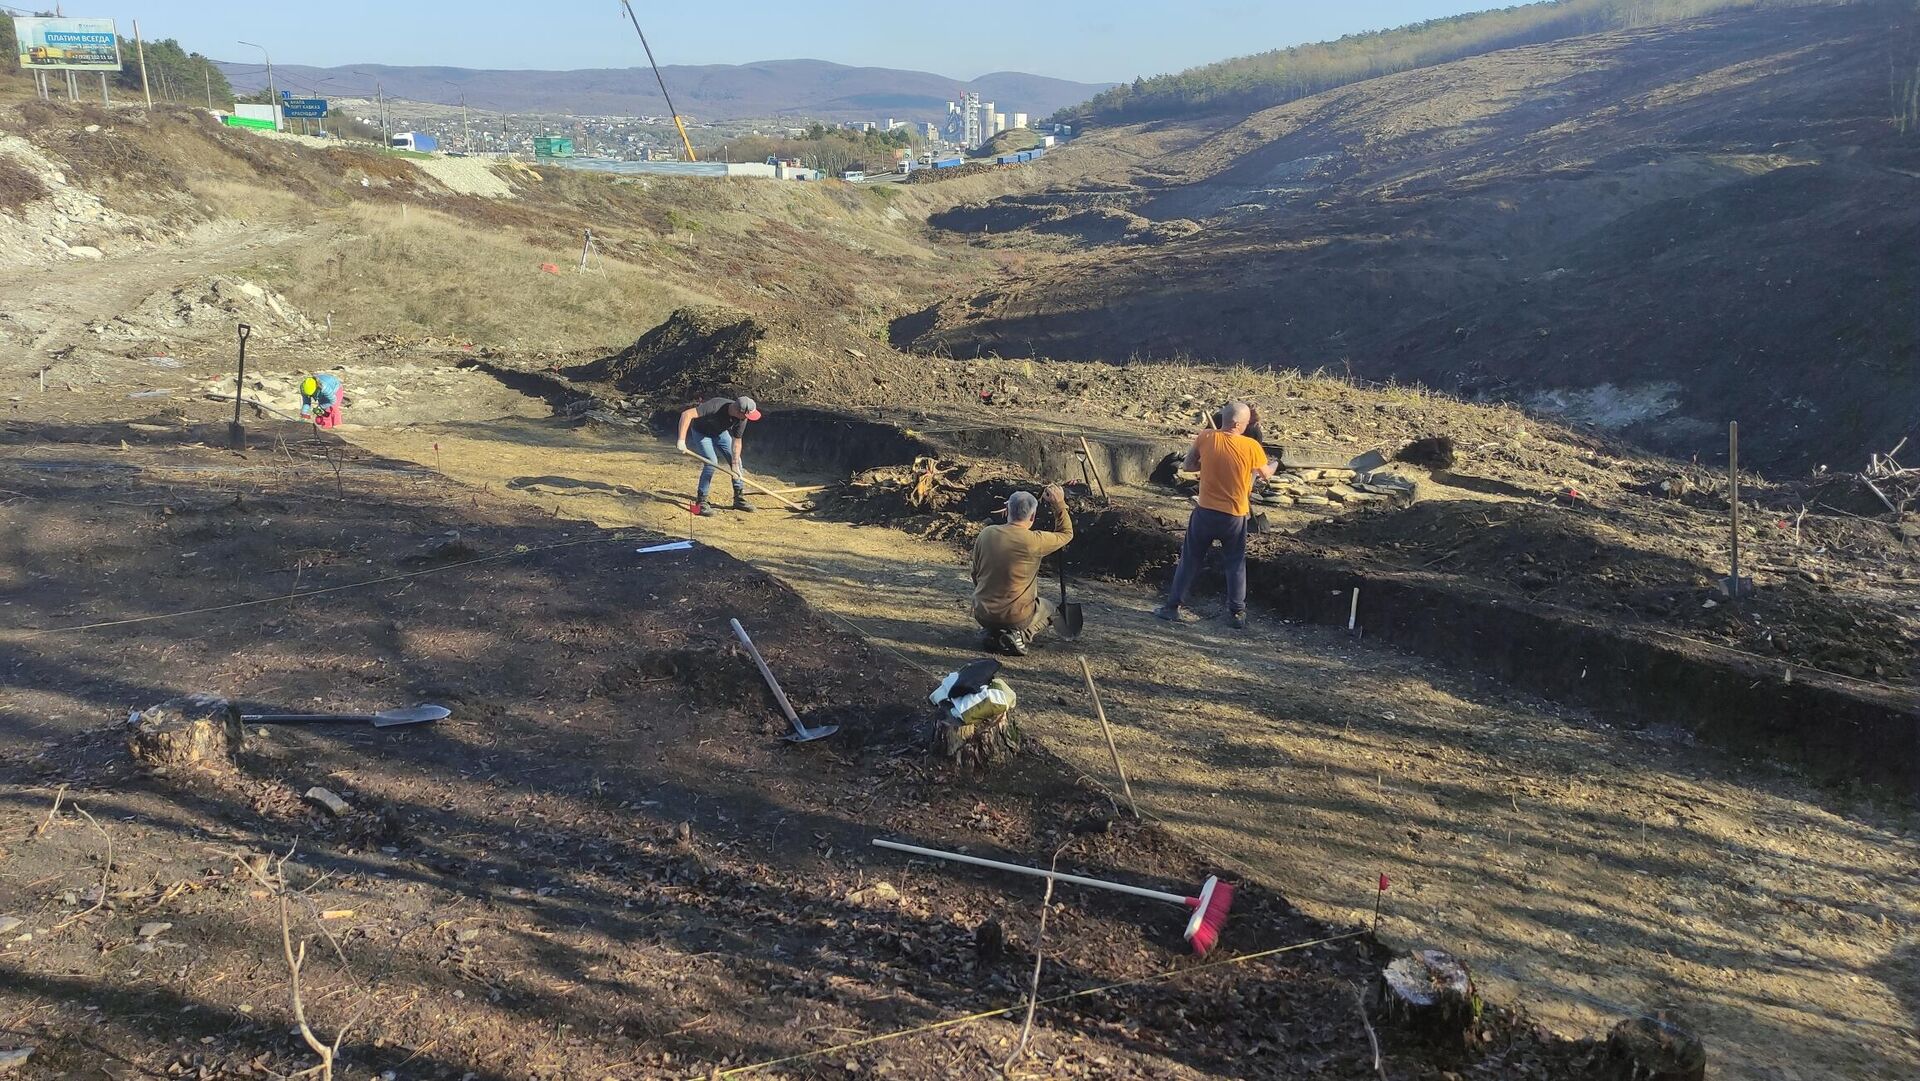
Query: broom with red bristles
[1209,906]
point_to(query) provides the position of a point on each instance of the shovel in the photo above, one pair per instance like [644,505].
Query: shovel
[386,718]
[801,733]
[236,433]
[1072,618]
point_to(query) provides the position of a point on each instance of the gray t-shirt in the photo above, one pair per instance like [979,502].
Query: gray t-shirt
[712,418]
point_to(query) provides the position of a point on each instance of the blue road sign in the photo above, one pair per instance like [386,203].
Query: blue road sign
[304,108]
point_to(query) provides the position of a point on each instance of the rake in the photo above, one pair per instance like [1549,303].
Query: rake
[1209,906]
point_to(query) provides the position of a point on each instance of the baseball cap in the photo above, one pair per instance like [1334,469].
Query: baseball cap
[748,406]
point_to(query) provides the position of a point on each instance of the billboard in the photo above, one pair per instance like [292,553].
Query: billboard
[67,44]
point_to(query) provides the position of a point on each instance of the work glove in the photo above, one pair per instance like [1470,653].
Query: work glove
[683,446]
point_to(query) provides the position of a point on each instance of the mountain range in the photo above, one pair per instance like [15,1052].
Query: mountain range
[793,88]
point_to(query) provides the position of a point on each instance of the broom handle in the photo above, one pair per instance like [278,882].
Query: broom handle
[749,480]
[1034,871]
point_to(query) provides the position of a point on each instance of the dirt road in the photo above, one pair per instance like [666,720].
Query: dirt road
[1586,871]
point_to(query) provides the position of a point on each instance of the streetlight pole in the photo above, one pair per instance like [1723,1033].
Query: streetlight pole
[273,95]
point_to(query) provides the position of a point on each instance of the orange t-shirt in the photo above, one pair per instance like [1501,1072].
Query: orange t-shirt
[1227,462]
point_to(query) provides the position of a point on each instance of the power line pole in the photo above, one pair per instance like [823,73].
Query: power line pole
[141,48]
[207,72]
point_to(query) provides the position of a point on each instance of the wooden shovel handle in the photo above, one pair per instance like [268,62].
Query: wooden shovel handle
[766,673]
[757,486]
[1101,484]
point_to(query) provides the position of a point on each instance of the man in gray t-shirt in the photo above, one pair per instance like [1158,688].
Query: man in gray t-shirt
[718,426]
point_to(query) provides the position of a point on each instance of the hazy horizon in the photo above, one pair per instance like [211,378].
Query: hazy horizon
[1081,40]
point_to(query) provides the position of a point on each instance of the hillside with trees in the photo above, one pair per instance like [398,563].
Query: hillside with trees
[830,150]
[1264,80]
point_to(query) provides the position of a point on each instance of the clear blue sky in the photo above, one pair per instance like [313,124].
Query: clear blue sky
[1090,40]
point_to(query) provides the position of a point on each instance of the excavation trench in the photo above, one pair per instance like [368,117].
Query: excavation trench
[1636,676]
[1314,762]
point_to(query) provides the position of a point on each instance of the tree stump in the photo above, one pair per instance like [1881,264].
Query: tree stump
[197,730]
[1656,1048]
[1431,993]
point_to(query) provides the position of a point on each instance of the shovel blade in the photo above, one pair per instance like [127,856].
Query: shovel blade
[388,718]
[1072,620]
[808,735]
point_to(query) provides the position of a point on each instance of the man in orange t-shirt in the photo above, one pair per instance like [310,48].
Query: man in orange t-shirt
[1228,461]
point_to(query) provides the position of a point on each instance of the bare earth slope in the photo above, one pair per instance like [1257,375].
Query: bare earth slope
[1653,230]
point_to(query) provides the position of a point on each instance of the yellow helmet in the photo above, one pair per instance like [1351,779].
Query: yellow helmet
[310,386]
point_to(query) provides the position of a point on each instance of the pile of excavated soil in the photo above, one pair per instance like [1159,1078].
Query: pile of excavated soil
[211,306]
[1618,561]
[999,216]
[696,352]
[934,176]
[952,499]
[466,176]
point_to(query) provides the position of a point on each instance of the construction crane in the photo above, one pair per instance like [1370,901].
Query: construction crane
[677,123]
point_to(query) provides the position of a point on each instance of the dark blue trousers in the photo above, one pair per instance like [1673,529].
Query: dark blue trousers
[1204,527]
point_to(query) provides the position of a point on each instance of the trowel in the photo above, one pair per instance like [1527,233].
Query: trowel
[386,718]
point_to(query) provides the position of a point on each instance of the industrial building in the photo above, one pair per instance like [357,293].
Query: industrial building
[971,121]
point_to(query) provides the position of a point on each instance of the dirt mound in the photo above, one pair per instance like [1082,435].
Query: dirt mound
[1100,225]
[210,306]
[934,176]
[696,351]
[1589,558]
[1051,213]
[999,216]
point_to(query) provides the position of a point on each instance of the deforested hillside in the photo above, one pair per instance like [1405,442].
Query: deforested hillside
[1263,80]
[1652,230]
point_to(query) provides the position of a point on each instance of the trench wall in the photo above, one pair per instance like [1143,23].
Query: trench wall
[1834,729]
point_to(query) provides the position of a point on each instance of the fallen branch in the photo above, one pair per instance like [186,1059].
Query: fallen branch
[1373,1039]
[296,960]
[58,795]
[1039,953]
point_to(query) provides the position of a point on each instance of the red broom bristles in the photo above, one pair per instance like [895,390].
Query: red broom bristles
[1209,914]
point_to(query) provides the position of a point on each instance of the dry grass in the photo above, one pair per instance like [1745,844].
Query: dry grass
[414,272]
[18,185]
[395,253]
